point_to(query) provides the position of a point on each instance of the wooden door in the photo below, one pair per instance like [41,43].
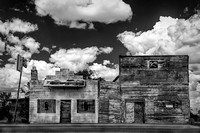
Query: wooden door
[65,111]
[139,112]
[129,118]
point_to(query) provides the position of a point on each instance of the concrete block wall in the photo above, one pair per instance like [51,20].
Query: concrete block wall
[63,93]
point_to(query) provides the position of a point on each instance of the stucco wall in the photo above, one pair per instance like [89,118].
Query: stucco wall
[40,92]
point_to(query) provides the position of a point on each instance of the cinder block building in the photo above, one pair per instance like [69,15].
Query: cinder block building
[63,98]
[149,89]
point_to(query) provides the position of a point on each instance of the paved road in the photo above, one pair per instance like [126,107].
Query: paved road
[109,128]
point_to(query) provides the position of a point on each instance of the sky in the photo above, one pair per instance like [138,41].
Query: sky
[91,34]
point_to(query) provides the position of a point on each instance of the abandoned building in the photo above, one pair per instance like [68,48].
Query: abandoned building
[63,98]
[149,89]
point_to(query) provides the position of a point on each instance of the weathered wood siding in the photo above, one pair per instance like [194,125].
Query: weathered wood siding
[164,88]
[109,103]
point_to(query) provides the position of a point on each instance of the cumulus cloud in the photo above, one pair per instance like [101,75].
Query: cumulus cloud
[108,73]
[42,67]
[25,46]
[18,49]
[77,59]
[54,46]
[46,49]
[106,50]
[2,46]
[194,78]
[106,62]
[31,44]
[168,36]
[77,25]
[9,76]
[194,102]
[16,25]
[13,39]
[27,42]
[194,68]
[70,12]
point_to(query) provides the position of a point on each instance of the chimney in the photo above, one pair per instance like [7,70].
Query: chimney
[34,73]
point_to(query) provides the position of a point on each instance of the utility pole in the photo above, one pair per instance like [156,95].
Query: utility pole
[16,104]
[20,63]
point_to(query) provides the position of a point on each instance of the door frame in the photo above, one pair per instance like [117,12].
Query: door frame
[61,110]
[134,101]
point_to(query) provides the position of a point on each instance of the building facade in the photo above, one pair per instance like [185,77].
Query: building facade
[150,89]
[156,87]
[63,98]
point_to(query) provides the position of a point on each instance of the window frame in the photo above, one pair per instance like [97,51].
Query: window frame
[149,63]
[47,103]
[82,103]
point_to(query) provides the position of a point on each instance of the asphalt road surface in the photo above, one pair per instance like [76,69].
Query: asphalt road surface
[108,128]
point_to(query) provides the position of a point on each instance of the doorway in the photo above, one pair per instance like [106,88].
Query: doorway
[134,111]
[65,111]
[139,112]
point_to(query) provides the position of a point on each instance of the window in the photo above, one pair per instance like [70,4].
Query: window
[85,106]
[46,106]
[153,64]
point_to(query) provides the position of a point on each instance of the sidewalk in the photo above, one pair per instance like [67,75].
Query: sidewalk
[54,128]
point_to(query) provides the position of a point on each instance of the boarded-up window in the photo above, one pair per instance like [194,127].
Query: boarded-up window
[46,106]
[153,64]
[85,106]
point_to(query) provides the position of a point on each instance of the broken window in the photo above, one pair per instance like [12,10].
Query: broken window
[153,64]
[85,106]
[46,106]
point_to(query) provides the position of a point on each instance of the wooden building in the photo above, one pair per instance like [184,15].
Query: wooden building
[150,89]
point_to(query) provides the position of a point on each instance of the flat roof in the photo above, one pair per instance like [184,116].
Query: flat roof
[151,55]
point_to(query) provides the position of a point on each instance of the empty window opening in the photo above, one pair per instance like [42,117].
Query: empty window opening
[46,106]
[85,106]
[153,64]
